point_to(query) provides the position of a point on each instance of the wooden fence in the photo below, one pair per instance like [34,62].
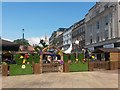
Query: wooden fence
[50,67]
[101,65]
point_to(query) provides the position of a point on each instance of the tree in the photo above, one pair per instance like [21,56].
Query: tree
[43,43]
[22,42]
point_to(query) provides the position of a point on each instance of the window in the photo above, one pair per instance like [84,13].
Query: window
[97,37]
[106,20]
[110,17]
[111,32]
[91,39]
[106,6]
[97,12]
[106,34]
[98,25]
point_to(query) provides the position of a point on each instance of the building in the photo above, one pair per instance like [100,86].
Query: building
[78,33]
[67,38]
[103,26]
[53,39]
[60,41]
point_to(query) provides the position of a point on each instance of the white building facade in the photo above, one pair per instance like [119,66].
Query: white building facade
[103,26]
[67,38]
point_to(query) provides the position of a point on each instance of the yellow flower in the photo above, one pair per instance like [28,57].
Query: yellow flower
[76,59]
[21,57]
[93,57]
[24,60]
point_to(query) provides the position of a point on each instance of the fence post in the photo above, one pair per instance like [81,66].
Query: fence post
[4,70]
[91,66]
[66,67]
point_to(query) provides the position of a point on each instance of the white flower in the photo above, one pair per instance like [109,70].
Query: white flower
[23,67]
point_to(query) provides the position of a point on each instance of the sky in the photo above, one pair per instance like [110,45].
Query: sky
[40,18]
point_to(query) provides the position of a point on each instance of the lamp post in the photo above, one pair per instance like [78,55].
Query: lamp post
[77,43]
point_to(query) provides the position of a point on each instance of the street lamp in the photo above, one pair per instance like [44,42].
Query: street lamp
[77,43]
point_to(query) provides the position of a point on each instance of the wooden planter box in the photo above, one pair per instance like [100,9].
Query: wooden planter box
[17,70]
[90,66]
[36,68]
[4,70]
[65,67]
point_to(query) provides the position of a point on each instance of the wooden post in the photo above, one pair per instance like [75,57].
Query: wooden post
[41,64]
[90,66]
[4,70]
[66,67]
[36,68]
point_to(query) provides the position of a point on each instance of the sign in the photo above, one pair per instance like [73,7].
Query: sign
[108,46]
[91,49]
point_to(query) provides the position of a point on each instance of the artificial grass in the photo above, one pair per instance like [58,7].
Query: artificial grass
[72,57]
[65,58]
[76,67]
[17,70]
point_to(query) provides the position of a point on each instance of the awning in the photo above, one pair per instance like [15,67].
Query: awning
[69,49]
[106,50]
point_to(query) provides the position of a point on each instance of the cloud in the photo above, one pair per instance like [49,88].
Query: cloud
[8,39]
[31,40]
[35,40]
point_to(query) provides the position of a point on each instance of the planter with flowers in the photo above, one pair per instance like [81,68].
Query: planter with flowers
[25,64]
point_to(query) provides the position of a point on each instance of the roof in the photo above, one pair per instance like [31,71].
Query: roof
[106,50]
[6,43]
[24,52]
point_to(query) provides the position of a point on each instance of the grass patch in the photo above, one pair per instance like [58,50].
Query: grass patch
[77,67]
[17,70]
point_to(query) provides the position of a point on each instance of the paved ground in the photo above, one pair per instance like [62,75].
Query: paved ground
[96,79]
[0,81]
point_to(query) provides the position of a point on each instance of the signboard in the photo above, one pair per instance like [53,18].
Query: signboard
[108,46]
[91,49]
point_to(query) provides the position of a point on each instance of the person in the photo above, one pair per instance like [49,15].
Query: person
[49,59]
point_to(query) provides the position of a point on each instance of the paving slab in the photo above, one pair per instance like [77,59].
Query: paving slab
[95,79]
